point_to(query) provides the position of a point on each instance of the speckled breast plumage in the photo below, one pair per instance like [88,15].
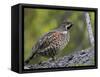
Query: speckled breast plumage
[52,43]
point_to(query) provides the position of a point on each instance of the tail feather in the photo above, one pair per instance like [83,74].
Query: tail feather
[31,57]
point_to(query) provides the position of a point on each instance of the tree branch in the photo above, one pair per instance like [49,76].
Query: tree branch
[79,58]
[89,28]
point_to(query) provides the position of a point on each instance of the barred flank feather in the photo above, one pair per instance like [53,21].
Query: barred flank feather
[49,51]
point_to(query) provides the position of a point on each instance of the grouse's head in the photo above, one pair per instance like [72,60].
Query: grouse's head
[67,25]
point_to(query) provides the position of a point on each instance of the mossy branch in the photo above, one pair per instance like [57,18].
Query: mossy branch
[78,58]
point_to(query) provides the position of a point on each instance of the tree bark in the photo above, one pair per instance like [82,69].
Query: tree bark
[78,58]
[89,28]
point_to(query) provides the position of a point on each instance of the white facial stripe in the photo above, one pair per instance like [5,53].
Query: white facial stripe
[67,25]
[64,32]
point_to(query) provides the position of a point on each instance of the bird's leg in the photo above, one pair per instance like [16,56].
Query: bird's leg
[40,62]
[53,59]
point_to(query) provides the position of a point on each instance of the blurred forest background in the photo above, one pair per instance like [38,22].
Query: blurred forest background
[39,21]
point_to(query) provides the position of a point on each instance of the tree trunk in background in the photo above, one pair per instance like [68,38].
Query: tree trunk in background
[89,28]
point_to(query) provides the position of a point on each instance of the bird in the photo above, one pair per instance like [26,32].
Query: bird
[51,43]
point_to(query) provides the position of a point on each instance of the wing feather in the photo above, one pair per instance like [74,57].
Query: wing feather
[44,41]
